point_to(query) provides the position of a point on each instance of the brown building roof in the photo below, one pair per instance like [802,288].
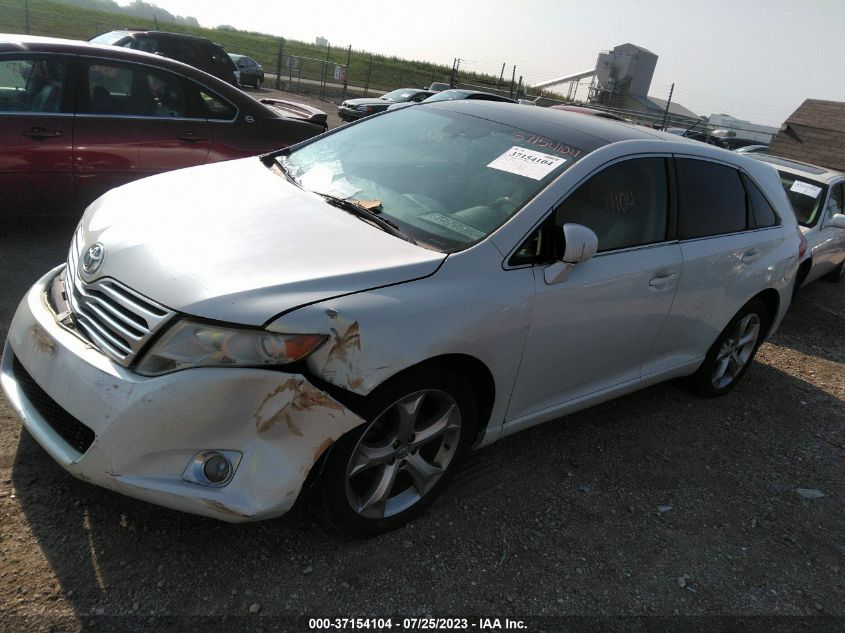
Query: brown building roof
[814,133]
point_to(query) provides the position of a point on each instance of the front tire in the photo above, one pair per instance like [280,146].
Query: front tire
[732,352]
[258,83]
[388,471]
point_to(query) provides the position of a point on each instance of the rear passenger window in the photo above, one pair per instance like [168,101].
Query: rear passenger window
[216,107]
[711,199]
[762,212]
[625,204]
[131,90]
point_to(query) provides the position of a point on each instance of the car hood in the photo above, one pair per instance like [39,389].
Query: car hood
[237,242]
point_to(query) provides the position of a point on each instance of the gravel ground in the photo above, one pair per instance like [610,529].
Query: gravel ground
[656,504]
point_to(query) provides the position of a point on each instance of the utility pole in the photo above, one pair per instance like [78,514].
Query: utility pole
[513,79]
[501,76]
[26,17]
[456,66]
[668,103]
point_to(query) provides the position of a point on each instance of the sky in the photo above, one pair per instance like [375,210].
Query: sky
[753,59]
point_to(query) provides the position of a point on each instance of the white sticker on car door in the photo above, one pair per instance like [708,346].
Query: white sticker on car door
[527,162]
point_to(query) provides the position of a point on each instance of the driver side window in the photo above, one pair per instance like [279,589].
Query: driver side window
[835,203]
[625,204]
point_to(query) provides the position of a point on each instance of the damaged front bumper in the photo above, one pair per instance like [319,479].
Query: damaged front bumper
[146,431]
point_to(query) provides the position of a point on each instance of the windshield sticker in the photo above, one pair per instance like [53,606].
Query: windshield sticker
[453,225]
[547,143]
[527,162]
[806,189]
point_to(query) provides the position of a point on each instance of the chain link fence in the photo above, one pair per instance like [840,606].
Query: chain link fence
[327,72]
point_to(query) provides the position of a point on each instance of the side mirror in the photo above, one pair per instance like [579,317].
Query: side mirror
[580,244]
[838,220]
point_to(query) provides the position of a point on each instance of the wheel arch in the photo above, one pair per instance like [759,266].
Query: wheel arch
[801,274]
[474,371]
[771,299]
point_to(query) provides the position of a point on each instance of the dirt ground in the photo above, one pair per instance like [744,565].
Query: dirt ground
[678,512]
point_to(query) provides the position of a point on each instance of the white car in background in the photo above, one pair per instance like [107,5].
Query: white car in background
[817,195]
[387,297]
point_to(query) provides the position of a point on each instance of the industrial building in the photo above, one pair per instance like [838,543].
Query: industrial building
[621,79]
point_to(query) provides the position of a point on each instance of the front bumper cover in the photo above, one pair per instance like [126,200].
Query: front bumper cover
[146,430]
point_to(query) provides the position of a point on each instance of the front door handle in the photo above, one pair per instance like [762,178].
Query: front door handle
[39,133]
[190,135]
[662,282]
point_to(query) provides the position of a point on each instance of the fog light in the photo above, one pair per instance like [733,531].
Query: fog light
[212,468]
[217,469]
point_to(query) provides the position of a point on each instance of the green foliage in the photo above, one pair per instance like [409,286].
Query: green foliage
[82,20]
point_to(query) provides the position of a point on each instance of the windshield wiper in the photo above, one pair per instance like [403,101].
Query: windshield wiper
[366,214]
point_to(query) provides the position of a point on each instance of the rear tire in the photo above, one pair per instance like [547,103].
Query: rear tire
[732,352]
[386,472]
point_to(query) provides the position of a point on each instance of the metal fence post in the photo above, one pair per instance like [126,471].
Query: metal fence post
[367,82]
[279,63]
[346,71]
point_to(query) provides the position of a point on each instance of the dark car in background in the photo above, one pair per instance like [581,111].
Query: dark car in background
[460,93]
[353,109]
[250,72]
[590,111]
[77,119]
[198,52]
[457,94]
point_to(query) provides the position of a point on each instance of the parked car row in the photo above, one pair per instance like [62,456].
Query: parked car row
[354,109]
[366,307]
[77,119]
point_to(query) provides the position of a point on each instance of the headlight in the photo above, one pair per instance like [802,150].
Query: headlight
[364,108]
[188,344]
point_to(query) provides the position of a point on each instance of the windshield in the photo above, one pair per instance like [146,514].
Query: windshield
[445,179]
[398,95]
[805,195]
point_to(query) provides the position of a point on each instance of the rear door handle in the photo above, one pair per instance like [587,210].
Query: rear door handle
[663,281]
[190,135]
[39,133]
[751,256]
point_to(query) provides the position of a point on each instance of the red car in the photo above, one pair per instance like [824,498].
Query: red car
[77,119]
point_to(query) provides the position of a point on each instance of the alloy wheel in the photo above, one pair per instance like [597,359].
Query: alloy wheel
[736,351]
[403,453]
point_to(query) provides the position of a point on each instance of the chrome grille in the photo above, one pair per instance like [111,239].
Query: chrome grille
[112,316]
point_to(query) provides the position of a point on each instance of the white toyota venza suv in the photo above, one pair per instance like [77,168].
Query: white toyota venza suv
[387,297]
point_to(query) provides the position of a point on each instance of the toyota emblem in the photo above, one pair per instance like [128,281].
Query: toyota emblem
[93,258]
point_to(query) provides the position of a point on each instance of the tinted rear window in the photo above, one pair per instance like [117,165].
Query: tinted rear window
[711,199]
[763,213]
